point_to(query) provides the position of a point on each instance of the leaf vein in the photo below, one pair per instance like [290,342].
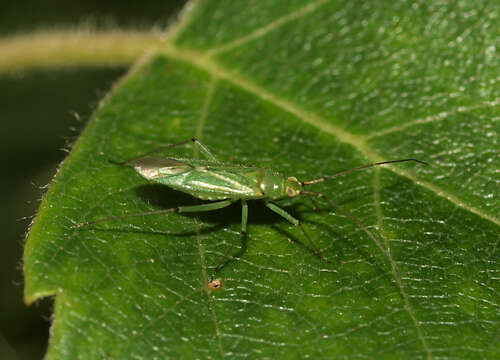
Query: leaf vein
[262,31]
[433,118]
[201,61]
[210,297]
[394,267]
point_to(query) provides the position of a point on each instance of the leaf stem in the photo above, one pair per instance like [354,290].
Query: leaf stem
[74,48]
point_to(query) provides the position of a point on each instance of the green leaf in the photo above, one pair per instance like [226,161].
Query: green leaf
[309,89]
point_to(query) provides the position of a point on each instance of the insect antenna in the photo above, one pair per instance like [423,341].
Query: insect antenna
[328,177]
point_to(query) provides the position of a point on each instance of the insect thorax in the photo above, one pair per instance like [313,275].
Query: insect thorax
[272,184]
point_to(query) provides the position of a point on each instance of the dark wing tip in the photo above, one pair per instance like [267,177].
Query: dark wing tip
[152,168]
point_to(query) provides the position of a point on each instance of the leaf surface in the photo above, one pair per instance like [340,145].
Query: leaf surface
[308,89]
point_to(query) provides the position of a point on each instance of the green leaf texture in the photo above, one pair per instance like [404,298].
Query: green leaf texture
[309,89]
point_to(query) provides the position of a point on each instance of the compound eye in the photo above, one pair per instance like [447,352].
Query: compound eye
[291,192]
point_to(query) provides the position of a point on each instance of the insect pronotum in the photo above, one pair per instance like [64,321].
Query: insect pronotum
[224,184]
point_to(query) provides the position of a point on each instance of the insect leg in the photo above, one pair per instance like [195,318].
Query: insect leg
[244,219]
[205,207]
[382,249]
[158,149]
[362,227]
[295,222]
[204,149]
[179,209]
[244,216]
[316,206]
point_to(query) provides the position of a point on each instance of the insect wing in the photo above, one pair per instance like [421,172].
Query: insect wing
[156,168]
[202,179]
[217,183]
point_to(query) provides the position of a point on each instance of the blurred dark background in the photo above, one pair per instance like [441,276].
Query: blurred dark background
[42,111]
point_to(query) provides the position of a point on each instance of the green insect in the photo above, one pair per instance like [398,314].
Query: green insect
[224,184]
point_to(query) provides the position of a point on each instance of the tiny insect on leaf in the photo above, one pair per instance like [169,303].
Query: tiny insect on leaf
[214,284]
[225,184]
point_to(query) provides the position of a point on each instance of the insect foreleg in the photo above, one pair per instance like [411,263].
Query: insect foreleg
[295,222]
[315,204]
[384,251]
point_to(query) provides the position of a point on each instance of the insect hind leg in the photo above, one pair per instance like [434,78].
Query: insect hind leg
[179,209]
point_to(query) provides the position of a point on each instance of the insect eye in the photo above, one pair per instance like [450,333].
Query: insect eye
[290,191]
